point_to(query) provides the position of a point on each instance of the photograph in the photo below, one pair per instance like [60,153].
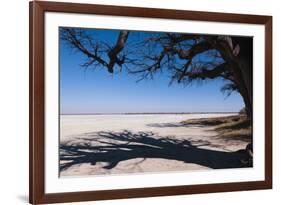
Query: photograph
[132,102]
[137,102]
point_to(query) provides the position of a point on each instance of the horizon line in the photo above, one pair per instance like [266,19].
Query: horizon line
[144,113]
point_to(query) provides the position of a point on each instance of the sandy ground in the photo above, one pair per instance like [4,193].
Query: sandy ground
[119,144]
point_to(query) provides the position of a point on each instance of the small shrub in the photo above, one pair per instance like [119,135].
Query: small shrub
[243,111]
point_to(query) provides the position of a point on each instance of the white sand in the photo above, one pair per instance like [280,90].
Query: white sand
[83,130]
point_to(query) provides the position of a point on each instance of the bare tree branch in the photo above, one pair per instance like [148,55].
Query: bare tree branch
[203,73]
[112,54]
[190,52]
[72,36]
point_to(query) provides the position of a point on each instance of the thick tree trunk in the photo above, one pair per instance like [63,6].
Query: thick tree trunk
[238,54]
[247,95]
[245,63]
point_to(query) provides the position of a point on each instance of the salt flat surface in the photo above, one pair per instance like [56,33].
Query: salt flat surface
[135,143]
[79,124]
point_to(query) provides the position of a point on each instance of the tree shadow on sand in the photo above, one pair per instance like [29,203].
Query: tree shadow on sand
[114,147]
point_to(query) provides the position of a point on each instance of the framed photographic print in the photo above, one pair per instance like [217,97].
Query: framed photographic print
[139,102]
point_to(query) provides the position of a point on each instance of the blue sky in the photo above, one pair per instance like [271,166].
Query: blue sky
[97,91]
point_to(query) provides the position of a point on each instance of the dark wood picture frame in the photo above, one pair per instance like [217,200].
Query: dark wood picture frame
[37,193]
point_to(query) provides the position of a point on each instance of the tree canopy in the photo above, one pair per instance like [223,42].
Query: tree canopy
[187,57]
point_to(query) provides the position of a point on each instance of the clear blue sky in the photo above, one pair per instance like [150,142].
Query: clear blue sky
[97,91]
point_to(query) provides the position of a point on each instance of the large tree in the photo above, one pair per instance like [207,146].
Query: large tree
[187,57]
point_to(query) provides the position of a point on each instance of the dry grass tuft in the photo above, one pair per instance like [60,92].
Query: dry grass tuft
[236,127]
